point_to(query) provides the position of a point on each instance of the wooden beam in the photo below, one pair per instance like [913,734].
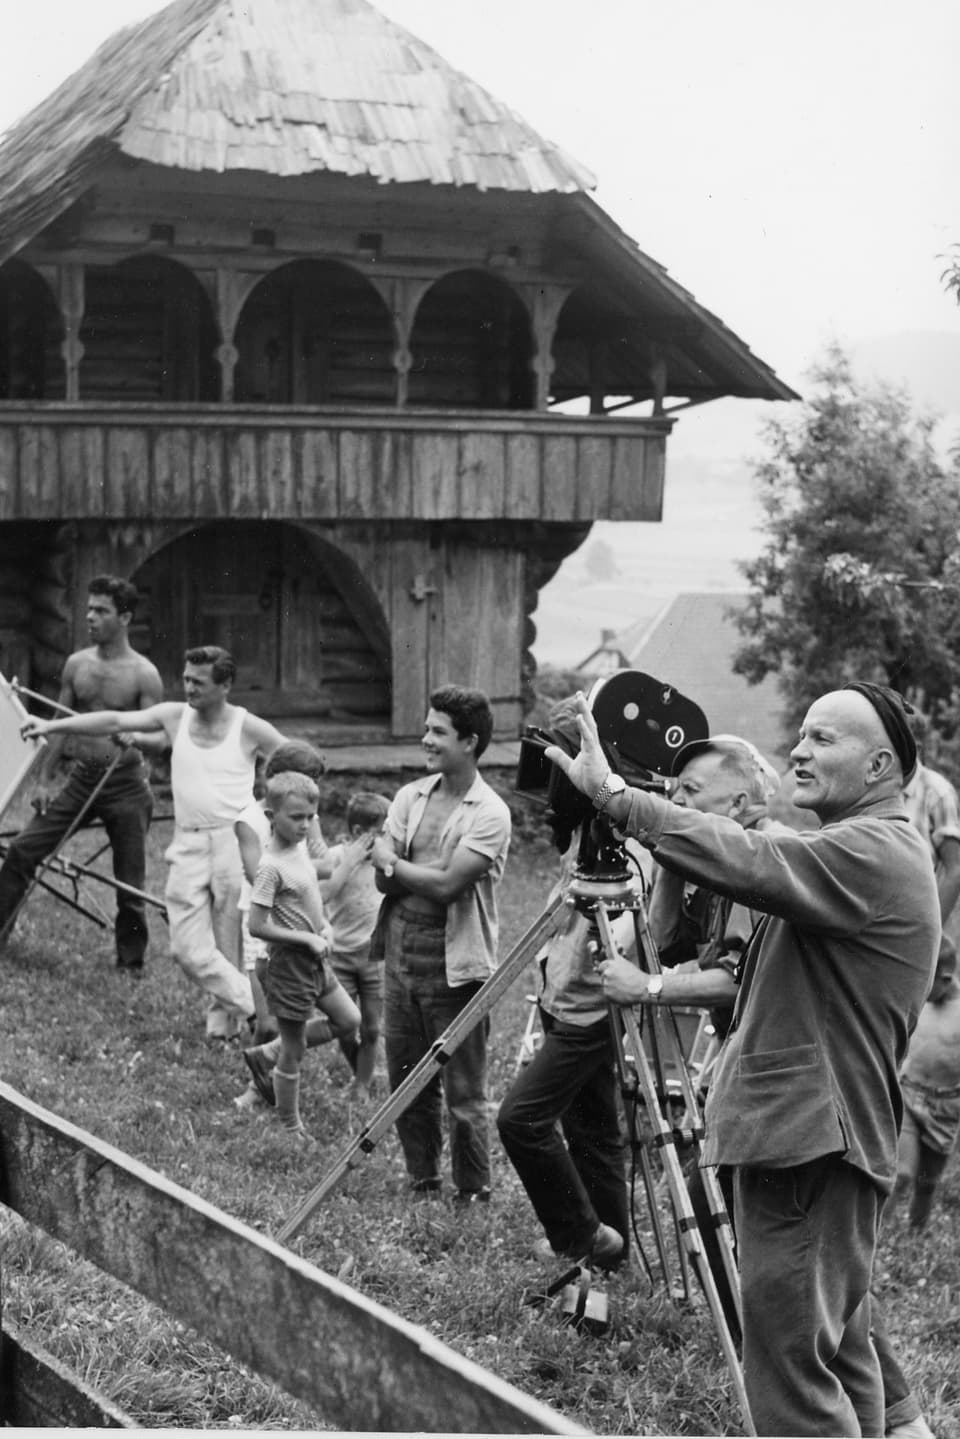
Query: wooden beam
[37,1391]
[360,1365]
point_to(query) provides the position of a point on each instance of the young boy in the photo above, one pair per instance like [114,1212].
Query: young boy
[286,910]
[931,1092]
[252,829]
[351,903]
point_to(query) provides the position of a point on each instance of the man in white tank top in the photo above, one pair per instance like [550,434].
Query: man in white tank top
[214,751]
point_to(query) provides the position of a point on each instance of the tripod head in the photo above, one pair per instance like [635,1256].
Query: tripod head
[602,869]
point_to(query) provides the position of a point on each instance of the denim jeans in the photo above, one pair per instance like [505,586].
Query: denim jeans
[418,1006]
[575,1179]
[806,1237]
[125,805]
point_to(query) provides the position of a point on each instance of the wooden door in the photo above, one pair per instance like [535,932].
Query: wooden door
[263,590]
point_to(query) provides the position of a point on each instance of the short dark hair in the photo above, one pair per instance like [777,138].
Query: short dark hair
[366,808]
[221,661]
[469,711]
[298,757]
[123,594]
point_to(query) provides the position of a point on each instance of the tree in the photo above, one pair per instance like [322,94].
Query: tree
[951,275]
[600,561]
[860,574]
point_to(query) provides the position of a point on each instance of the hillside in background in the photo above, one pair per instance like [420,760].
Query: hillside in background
[624,573]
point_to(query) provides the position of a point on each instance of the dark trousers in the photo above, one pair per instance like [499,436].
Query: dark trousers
[125,805]
[575,1178]
[806,1238]
[418,1006]
[899,1402]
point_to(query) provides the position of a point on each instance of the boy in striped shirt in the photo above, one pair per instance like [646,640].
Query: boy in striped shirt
[286,911]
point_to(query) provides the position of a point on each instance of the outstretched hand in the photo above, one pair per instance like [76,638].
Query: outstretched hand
[589,767]
[34,728]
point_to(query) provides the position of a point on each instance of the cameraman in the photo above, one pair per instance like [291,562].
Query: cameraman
[575,1180]
[805,1100]
[701,935]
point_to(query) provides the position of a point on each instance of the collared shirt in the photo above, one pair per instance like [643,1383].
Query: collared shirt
[833,979]
[934,808]
[480,822]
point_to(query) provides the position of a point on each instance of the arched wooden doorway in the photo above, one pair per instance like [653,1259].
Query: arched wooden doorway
[315,332]
[306,632]
[471,345]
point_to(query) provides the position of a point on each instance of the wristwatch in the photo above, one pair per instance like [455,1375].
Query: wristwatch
[654,988]
[388,869]
[613,784]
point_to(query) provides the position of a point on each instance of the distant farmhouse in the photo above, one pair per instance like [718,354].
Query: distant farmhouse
[289,310]
[690,645]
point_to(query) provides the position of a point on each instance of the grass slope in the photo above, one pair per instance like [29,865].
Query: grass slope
[125,1058]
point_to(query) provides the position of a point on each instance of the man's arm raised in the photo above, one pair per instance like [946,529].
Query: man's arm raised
[107,722]
[54,749]
[589,767]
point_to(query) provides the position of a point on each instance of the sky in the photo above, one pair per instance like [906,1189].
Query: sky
[791,164]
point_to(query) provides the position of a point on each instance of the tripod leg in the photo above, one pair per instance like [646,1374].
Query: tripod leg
[688,1229]
[666,1038]
[437,1055]
[638,1143]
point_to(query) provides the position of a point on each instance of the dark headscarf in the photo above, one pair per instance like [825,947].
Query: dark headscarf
[893,710]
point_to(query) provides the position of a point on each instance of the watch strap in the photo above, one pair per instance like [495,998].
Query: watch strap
[613,784]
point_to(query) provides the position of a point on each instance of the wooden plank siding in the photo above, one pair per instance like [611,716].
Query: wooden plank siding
[363,1367]
[65,461]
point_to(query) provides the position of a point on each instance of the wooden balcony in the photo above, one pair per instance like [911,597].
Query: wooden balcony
[125,461]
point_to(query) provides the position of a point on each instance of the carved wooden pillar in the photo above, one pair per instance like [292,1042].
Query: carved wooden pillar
[231,291]
[67,283]
[544,303]
[402,295]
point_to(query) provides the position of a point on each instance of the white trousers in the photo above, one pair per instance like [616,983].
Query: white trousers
[203,888]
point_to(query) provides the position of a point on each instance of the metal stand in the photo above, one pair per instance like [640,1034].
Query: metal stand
[71,830]
[56,863]
[661,1080]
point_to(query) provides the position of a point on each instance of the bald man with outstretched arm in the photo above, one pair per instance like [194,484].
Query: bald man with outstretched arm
[805,1100]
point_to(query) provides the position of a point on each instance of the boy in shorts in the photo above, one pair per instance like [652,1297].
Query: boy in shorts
[286,911]
[931,1092]
[351,903]
[252,829]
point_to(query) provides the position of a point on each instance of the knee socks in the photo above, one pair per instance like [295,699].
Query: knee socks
[287,1089]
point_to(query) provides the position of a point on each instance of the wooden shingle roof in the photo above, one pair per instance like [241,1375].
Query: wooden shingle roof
[281,87]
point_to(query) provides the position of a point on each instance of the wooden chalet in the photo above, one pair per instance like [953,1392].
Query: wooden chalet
[292,315]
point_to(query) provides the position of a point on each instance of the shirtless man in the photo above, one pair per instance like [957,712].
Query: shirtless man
[440,857]
[215,745]
[109,674]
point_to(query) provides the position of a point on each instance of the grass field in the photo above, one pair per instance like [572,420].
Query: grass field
[125,1058]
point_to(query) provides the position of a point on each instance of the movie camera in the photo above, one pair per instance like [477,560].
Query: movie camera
[643,724]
